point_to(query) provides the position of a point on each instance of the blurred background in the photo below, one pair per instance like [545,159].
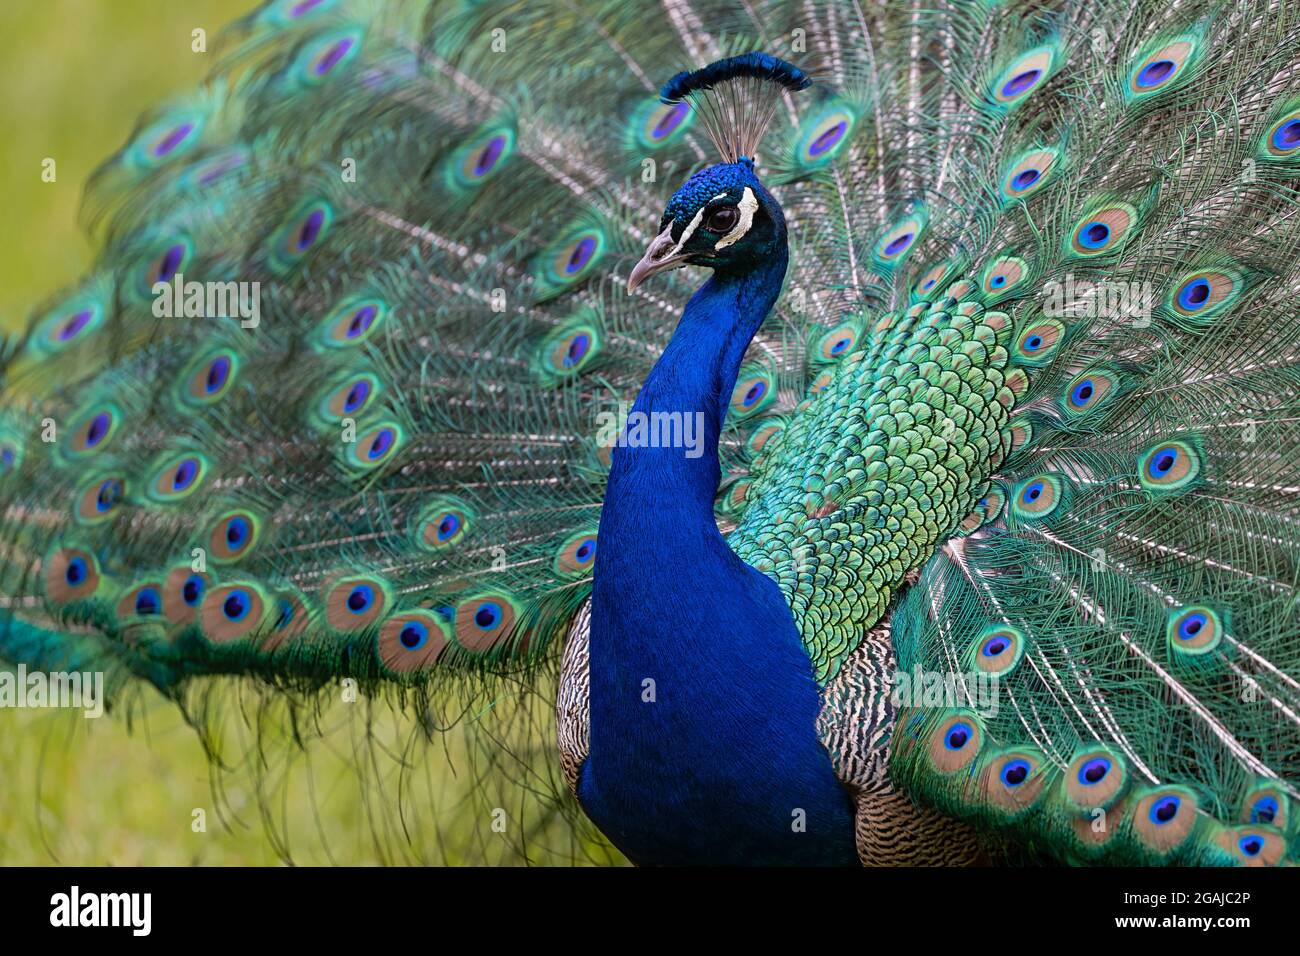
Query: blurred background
[124,789]
[74,75]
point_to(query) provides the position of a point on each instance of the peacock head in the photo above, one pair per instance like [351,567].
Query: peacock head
[721,218]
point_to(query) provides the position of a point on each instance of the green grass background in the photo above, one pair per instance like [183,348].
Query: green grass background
[74,75]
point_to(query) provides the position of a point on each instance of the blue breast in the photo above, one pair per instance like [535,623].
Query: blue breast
[703,745]
[717,761]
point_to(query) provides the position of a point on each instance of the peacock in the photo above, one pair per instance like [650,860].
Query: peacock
[946,511]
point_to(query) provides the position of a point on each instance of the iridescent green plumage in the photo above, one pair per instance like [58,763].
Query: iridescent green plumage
[1037,343]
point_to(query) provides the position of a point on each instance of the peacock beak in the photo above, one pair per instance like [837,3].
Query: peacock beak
[661,256]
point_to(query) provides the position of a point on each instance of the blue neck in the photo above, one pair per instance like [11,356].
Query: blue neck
[703,703]
[696,373]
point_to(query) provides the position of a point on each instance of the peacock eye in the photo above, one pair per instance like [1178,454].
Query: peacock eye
[723,220]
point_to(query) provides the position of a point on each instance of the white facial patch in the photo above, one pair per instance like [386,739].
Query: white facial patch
[694,224]
[748,205]
[688,231]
